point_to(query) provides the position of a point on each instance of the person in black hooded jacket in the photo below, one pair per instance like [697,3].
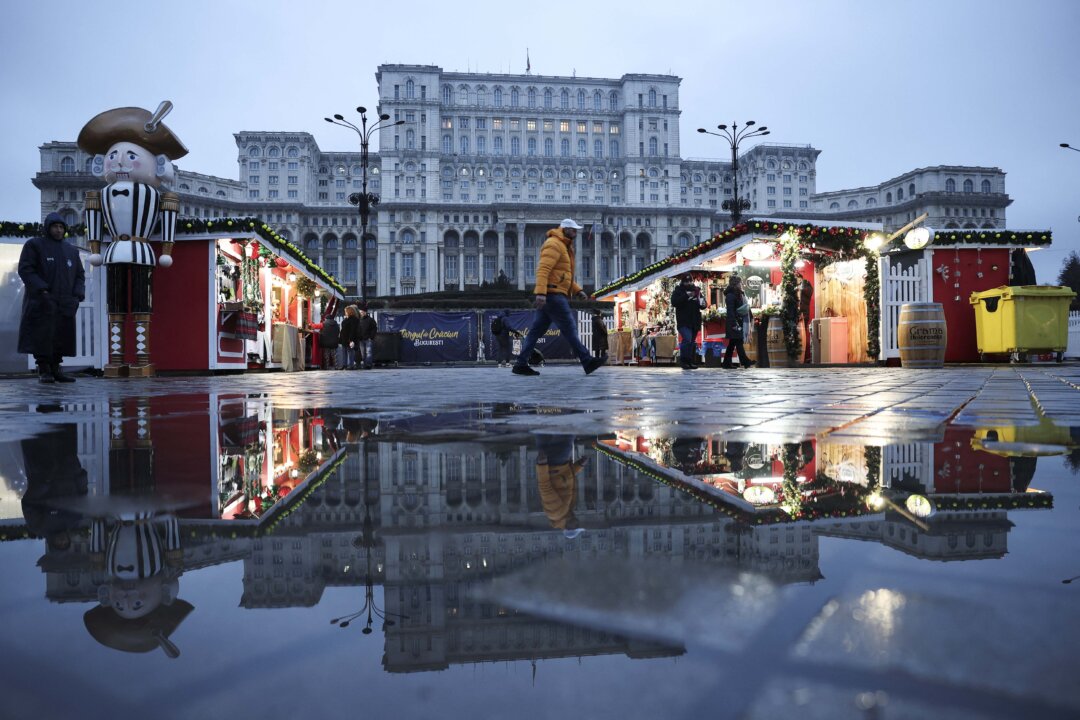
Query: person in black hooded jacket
[348,337]
[52,271]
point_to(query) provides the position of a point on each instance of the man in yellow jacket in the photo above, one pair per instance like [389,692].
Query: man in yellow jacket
[554,286]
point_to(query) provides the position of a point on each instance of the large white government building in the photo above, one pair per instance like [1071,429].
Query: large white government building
[485,164]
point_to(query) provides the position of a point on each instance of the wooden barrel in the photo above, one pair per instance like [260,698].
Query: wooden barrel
[922,335]
[774,340]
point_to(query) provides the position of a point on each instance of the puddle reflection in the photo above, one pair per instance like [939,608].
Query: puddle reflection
[423,512]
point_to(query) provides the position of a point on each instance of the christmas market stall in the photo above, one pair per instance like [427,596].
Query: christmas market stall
[941,269]
[238,296]
[795,277]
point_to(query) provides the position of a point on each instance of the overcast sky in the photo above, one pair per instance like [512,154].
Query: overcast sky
[879,87]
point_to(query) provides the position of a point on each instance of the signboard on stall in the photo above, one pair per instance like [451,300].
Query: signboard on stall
[552,345]
[433,336]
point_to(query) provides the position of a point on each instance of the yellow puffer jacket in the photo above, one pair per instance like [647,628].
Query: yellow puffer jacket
[555,271]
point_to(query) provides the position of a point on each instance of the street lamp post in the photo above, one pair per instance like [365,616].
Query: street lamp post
[734,136]
[363,200]
[1067,146]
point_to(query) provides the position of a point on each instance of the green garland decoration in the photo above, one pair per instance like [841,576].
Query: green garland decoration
[789,295]
[872,295]
[36,229]
[224,226]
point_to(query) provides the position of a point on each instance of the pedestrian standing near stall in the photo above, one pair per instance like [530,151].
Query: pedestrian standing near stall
[366,330]
[737,307]
[687,300]
[599,335]
[52,272]
[500,331]
[329,339]
[347,337]
[554,286]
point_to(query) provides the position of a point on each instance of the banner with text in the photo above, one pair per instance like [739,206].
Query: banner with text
[433,336]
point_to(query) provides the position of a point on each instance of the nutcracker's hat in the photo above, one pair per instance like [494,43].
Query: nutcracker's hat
[133,125]
[139,635]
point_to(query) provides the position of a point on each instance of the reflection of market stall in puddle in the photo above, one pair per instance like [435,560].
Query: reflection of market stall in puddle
[213,457]
[948,499]
[757,483]
[269,454]
[838,298]
[253,310]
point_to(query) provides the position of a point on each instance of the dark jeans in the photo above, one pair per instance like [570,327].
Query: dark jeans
[687,346]
[365,348]
[555,311]
[733,345]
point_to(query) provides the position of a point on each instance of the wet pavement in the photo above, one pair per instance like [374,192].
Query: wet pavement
[833,543]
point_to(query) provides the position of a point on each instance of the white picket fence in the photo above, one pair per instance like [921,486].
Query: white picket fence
[900,285]
[907,462]
[1073,350]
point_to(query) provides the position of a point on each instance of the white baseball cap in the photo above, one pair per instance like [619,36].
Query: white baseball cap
[568,223]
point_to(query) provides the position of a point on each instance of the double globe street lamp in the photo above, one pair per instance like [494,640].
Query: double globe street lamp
[363,200]
[734,136]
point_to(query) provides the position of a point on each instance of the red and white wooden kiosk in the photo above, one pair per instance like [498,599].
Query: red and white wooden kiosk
[233,299]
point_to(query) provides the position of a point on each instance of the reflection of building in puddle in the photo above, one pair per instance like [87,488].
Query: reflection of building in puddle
[948,500]
[448,518]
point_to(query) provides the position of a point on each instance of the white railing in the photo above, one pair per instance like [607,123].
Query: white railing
[900,285]
[1074,335]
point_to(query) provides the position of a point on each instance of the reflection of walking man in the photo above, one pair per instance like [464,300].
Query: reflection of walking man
[52,272]
[556,476]
[554,285]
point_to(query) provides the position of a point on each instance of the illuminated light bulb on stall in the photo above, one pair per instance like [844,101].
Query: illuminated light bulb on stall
[800,264]
[874,242]
[294,473]
[875,501]
[292,277]
[318,292]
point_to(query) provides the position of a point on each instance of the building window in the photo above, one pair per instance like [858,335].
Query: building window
[986,186]
[515,146]
[969,186]
[497,98]
[950,185]
[67,165]
[515,97]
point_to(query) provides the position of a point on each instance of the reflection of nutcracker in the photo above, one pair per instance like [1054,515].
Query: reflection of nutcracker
[132,149]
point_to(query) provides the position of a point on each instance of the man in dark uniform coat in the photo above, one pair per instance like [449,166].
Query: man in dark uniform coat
[52,272]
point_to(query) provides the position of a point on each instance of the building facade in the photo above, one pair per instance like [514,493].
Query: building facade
[483,165]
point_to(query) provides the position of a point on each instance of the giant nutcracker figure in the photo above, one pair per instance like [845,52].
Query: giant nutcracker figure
[133,150]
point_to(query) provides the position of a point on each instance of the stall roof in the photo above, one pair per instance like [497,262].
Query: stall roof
[255,229]
[216,228]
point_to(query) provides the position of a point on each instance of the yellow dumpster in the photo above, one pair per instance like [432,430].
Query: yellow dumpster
[1020,320]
